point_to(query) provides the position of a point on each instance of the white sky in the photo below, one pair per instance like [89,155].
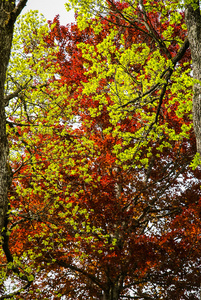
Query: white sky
[51,8]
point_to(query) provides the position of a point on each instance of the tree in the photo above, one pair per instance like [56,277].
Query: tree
[8,13]
[22,111]
[193,22]
[102,187]
[166,9]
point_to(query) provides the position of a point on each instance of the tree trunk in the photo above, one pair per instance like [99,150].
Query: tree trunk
[114,288]
[8,14]
[112,294]
[6,35]
[193,23]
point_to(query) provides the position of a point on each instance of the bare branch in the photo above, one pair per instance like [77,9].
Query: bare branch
[16,12]
[16,93]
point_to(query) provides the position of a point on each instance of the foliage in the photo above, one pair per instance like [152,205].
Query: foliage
[104,204]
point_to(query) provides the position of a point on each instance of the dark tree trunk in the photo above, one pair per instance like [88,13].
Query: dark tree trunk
[8,14]
[6,34]
[193,23]
[112,294]
[114,289]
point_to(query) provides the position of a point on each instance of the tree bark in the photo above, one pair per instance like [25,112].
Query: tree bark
[113,293]
[193,23]
[8,14]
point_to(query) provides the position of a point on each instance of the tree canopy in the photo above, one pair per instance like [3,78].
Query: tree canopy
[104,183]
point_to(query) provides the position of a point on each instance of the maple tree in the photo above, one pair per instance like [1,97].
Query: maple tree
[104,204]
[136,14]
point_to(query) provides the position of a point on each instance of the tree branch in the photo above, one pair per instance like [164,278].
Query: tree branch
[19,89]
[74,268]
[16,12]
